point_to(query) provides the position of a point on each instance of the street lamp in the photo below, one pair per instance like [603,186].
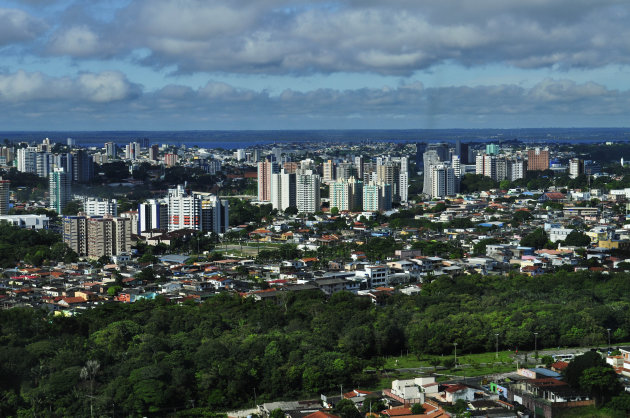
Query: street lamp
[496,343]
[455,344]
[536,344]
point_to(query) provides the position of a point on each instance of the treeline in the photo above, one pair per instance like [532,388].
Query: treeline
[33,246]
[155,358]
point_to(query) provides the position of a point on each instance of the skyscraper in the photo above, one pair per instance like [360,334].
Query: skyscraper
[59,189]
[184,210]
[4,196]
[82,166]
[307,185]
[537,159]
[265,170]
[442,180]
[346,195]
[576,167]
[283,190]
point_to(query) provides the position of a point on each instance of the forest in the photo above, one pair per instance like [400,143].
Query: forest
[157,358]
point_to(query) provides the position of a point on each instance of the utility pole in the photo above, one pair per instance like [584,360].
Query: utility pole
[455,344]
[608,329]
[496,345]
[536,344]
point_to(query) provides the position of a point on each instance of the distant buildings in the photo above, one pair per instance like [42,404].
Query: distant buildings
[283,190]
[347,195]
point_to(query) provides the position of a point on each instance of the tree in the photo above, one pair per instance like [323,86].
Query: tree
[291,211]
[72,208]
[536,239]
[334,211]
[277,413]
[417,409]
[601,382]
[577,239]
[576,367]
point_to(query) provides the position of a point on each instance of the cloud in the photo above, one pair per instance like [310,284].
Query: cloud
[24,88]
[395,37]
[107,100]
[76,41]
[18,26]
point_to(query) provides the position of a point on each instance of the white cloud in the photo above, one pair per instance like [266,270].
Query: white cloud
[18,26]
[76,41]
[23,87]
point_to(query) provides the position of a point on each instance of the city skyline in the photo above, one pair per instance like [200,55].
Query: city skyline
[139,64]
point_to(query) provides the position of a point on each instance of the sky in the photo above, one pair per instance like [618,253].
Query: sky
[278,64]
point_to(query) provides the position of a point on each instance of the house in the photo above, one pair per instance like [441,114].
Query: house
[453,393]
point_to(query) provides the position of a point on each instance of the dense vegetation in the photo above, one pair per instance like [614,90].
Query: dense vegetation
[151,357]
[34,247]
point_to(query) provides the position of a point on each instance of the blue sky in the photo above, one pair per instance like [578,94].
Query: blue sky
[277,64]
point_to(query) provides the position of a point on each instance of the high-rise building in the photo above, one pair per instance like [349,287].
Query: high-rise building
[430,157]
[328,171]
[255,155]
[154,152]
[346,195]
[265,170]
[441,149]
[184,210]
[240,155]
[283,190]
[377,197]
[26,160]
[71,142]
[108,236]
[537,159]
[344,171]
[576,167]
[4,196]
[75,233]
[100,207]
[111,149]
[462,151]
[492,149]
[82,166]
[59,189]
[170,159]
[153,214]
[403,180]
[389,173]
[358,166]
[307,184]
[43,163]
[457,171]
[215,213]
[486,165]
[442,181]
[132,151]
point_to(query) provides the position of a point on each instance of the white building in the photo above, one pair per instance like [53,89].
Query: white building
[283,190]
[100,207]
[346,195]
[27,221]
[307,186]
[559,234]
[442,181]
